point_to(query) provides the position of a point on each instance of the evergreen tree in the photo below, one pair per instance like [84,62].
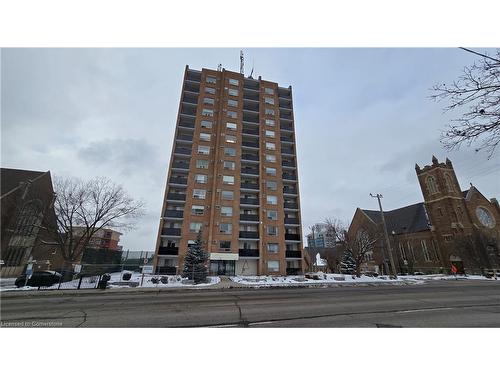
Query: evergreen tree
[195,267]
[348,263]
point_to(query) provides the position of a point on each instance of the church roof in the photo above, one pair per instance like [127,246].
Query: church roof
[407,219]
[11,178]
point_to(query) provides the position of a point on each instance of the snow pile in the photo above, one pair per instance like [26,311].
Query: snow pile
[318,278]
[156,281]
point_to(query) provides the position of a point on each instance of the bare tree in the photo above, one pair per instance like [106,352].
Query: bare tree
[84,207]
[360,246]
[477,92]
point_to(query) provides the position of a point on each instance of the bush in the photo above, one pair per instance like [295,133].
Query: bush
[155,280]
[126,276]
[164,280]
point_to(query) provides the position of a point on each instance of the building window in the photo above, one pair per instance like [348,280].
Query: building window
[205,137]
[427,255]
[206,124]
[270,133]
[228,180]
[431,185]
[273,266]
[435,248]
[269,91]
[226,211]
[232,103]
[195,227]
[225,228]
[231,126]
[448,237]
[270,146]
[208,101]
[207,112]
[230,165]
[269,111]
[232,114]
[197,210]
[202,164]
[233,92]
[209,90]
[272,230]
[402,251]
[272,248]
[233,82]
[272,215]
[269,101]
[211,80]
[201,178]
[271,171]
[271,158]
[271,185]
[229,151]
[230,139]
[270,122]
[449,183]
[203,150]
[272,199]
[227,194]
[410,247]
[225,245]
[199,193]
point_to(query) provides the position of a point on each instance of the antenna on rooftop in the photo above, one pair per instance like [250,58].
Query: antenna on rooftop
[242,63]
[219,67]
[250,76]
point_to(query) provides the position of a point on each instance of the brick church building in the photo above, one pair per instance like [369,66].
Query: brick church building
[450,226]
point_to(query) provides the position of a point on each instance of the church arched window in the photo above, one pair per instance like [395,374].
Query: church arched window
[432,185]
[449,183]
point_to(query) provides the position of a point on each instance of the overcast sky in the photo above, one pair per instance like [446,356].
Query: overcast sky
[363,119]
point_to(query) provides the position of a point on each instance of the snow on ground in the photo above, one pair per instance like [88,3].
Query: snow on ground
[116,281]
[323,278]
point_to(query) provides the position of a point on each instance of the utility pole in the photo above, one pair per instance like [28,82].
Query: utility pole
[378,196]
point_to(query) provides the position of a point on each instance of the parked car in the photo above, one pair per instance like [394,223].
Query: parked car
[39,278]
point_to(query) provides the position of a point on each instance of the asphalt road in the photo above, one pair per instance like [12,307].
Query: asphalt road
[436,304]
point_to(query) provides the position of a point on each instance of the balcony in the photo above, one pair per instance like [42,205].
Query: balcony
[176,197]
[250,201]
[285,103]
[286,127]
[250,144]
[188,109]
[251,117]
[285,115]
[252,235]
[171,232]
[178,214]
[193,75]
[190,98]
[250,157]
[286,139]
[180,165]
[289,191]
[254,253]
[250,106]
[178,180]
[292,237]
[249,185]
[193,87]
[287,176]
[168,250]
[291,205]
[287,150]
[291,220]
[248,130]
[288,163]
[184,137]
[293,271]
[248,217]
[182,151]
[166,270]
[250,171]
[251,84]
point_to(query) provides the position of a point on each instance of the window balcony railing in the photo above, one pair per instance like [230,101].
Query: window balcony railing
[178,180]
[287,150]
[286,127]
[286,163]
[176,197]
[249,253]
[292,237]
[250,157]
[246,130]
[180,165]
[249,185]
[183,151]
[289,191]
[171,231]
[185,137]
[286,139]
[168,250]
[291,205]
[251,171]
[190,99]
[252,201]
[254,235]
[249,118]
[291,220]
[250,144]
[249,217]
[287,176]
[174,213]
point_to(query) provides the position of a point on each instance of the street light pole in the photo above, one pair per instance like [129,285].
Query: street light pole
[389,249]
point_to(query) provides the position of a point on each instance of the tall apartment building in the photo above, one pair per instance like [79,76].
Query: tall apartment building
[232,176]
